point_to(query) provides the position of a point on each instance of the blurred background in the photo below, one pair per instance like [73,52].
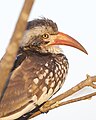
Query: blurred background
[76,18]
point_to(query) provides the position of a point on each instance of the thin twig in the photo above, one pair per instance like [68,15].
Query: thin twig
[9,57]
[56,102]
[76,99]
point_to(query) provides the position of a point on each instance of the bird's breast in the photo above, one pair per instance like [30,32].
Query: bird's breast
[47,74]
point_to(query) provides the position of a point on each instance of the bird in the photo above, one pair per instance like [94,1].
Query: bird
[39,70]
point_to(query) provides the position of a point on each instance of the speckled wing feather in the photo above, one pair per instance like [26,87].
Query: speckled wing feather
[16,95]
[33,82]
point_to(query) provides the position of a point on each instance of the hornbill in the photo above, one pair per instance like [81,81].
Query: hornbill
[39,70]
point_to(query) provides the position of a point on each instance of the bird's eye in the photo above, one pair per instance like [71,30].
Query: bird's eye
[45,36]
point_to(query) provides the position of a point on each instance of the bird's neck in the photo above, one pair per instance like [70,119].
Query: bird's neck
[55,49]
[50,50]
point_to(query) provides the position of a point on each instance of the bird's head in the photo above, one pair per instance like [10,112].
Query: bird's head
[42,35]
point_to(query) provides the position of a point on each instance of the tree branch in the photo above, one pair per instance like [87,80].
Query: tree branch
[56,102]
[10,55]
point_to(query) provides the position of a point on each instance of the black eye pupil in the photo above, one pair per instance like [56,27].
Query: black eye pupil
[45,36]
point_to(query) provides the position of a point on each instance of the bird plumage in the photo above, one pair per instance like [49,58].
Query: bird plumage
[35,76]
[39,70]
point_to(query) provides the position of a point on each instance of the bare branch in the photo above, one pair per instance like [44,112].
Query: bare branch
[76,99]
[88,82]
[56,102]
[8,59]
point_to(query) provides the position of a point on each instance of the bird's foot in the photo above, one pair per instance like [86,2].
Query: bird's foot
[47,105]
[55,104]
[43,109]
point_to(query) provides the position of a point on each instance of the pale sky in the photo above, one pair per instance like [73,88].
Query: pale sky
[76,18]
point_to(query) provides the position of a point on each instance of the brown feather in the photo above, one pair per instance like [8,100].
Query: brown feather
[18,95]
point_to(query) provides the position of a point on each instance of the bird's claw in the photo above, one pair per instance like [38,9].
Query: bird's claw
[42,110]
[55,104]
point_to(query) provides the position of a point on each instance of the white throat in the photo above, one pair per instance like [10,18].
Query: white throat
[54,49]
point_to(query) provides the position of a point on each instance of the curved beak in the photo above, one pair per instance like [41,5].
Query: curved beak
[64,39]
